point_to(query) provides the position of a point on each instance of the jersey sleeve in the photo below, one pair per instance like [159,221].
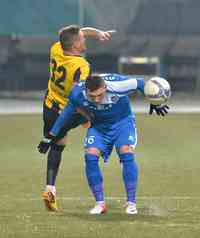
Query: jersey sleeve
[124,85]
[82,72]
[85,71]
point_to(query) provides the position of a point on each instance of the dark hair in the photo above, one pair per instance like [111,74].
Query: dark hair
[94,82]
[67,35]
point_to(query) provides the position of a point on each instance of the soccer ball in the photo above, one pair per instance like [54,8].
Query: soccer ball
[157,90]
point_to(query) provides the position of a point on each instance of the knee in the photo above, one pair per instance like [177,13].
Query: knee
[91,155]
[92,151]
[126,149]
[91,159]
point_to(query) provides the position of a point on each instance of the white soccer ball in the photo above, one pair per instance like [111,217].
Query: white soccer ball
[157,90]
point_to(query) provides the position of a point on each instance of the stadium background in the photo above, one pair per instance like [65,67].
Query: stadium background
[167,32]
[154,36]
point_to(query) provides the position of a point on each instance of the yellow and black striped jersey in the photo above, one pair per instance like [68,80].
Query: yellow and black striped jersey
[65,70]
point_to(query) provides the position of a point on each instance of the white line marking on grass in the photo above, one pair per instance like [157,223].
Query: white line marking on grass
[116,198]
[173,225]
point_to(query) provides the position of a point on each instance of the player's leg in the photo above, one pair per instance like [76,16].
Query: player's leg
[55,152]
[53,164]
[93,148]
[95,179]
[130,177]
[125,144]
[53,159]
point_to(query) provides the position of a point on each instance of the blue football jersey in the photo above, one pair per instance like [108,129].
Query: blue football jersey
[114,107]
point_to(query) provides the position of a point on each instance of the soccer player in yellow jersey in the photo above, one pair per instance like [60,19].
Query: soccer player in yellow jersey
[67,67]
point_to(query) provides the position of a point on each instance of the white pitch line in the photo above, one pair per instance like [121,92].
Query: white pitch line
[115,198]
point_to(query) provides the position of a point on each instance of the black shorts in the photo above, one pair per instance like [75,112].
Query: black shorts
[51,114]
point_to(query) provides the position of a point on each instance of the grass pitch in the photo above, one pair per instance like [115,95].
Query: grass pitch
[168,201]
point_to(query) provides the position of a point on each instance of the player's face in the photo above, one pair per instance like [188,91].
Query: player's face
[97,95]
[79,43]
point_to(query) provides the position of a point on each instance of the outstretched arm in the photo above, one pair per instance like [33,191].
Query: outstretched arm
[125,85]
[49,139]
[62,119]
[160,110]
[94,32]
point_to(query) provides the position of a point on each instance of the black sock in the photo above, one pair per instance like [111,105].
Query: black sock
[53,162]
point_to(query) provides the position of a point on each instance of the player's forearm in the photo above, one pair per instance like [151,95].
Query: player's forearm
[90,31]
[94,32]
[61,120]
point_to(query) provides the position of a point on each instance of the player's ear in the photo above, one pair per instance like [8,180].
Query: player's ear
[75,44]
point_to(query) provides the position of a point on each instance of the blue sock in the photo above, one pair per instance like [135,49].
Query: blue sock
[130,175]
[94,176]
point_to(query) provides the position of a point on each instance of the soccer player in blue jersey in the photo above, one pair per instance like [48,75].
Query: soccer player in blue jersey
[104,99]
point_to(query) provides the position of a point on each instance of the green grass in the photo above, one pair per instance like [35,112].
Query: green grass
[168,189]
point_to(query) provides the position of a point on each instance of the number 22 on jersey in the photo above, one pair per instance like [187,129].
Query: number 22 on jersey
[59,75]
